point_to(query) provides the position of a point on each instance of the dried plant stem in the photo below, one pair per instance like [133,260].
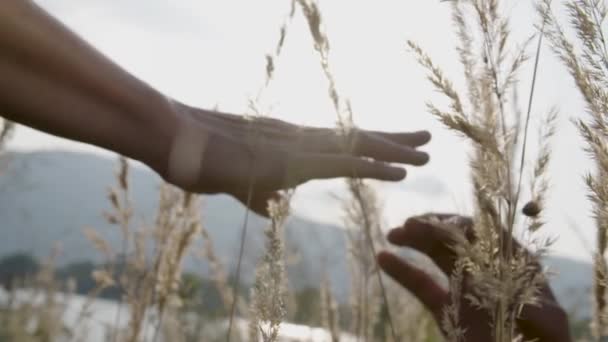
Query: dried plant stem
[6,130]
[370,242]
[235,290]
[345,124]
[270,70]
[528,115]
[269,292]
[527,123]
[123,214]
[587,63]
[515,199]
[499,274]
[329,312]
[501,309]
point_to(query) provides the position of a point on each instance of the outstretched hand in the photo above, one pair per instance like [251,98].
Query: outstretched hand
[54,81]
[266,155]
[547,322]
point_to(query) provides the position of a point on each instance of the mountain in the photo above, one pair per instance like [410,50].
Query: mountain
[48,198]
[572,284]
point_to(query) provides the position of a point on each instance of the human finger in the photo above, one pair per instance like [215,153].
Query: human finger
[387,147]
[418,282]
[545,322]
[275,129]
[434,240]
[308,166]
[413,139]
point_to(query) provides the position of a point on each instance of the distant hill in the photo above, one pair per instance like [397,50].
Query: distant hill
[49,197]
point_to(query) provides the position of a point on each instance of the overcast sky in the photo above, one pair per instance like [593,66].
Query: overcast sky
[211,53]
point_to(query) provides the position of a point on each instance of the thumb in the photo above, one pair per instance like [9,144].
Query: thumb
[418,282]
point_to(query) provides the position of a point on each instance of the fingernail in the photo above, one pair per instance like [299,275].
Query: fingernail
[424,157]
[395,173]
[415,221]
[426,135]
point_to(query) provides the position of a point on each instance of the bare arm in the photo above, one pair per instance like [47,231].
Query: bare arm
[53,81]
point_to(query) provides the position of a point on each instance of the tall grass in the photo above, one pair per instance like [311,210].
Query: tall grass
[152,258]
[148,265]
[5,131]
[269,291]
[274,270]
[585,56]
[484,115]
[361,210]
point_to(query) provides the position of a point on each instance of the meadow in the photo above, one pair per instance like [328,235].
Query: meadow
[147,295]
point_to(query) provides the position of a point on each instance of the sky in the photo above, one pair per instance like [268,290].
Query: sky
[212,54]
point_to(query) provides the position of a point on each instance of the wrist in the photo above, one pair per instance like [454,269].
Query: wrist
[157,124]
[186,148]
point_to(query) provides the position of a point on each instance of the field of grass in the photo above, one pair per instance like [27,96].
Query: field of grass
[145,294]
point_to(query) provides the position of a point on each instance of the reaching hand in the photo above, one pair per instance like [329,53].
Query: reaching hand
[275,155]
[544,323]
[55,82]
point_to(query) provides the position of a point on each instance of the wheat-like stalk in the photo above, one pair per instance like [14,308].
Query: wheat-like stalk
[269,290]
[35,314]
[481,115]
[587,62]
[362,195]
[8,127]
[271,59]
[330,317]
[149,277]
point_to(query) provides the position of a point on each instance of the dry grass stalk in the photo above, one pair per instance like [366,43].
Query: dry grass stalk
[218,273]
[363,228]
[149,277]
[490,71]
[269,291]
[450,322]
[6,130]
[274,55]
[271,59]
[330,317]
[35,313]
[587,62]
[363,197]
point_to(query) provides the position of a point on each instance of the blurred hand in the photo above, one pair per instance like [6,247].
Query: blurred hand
[277,155]
[54,81]
[545,323]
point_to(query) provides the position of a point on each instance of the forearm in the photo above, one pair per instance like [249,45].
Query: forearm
[53,81]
